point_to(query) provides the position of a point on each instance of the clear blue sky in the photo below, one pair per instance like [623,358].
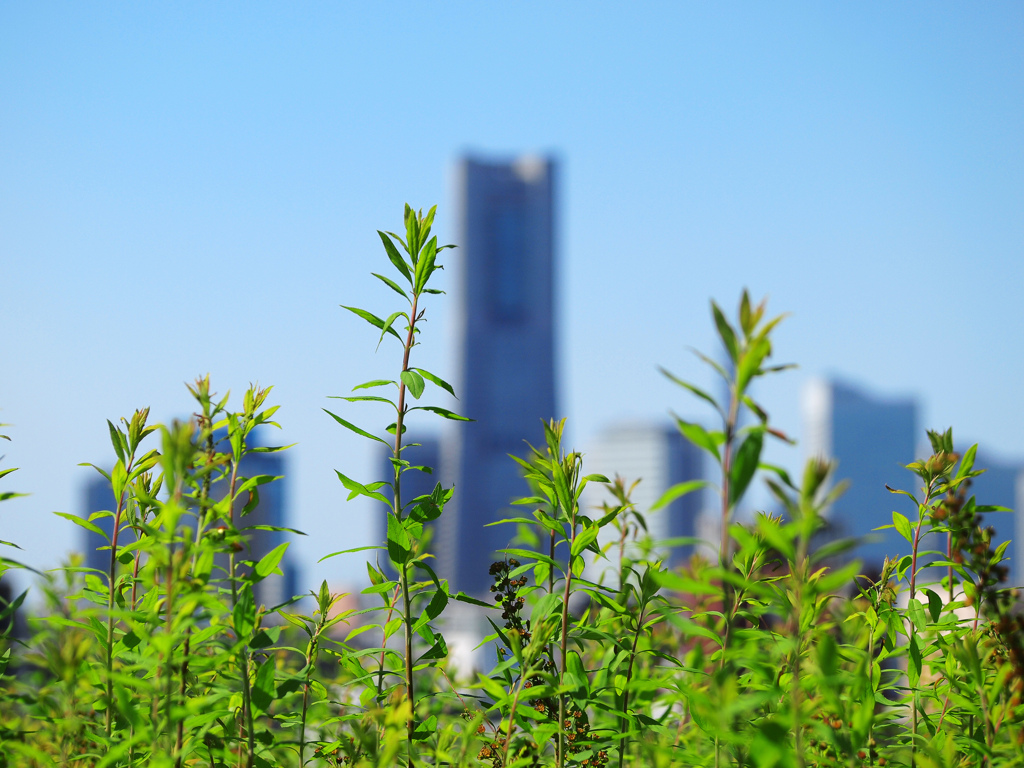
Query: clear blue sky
[187,188]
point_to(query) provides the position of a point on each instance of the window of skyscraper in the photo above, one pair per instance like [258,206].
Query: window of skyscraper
[508,260]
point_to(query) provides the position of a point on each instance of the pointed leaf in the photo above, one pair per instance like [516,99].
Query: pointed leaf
[395,256]
[354,428]
[435,380]
[373,320]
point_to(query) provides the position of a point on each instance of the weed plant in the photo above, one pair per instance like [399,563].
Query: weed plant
[775,652]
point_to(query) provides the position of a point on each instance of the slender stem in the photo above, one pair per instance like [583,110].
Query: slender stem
[724,559]
[564,640]
[410,339]
[310,656]
[512,717]
[110,600]
[623,719]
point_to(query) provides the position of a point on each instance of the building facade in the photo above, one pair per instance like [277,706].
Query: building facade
[997,486]
[873,440]
[504,301]
[659,457]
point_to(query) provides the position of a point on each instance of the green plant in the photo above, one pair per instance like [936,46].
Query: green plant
[778,653]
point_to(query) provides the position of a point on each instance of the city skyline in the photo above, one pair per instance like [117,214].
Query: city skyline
[860,165]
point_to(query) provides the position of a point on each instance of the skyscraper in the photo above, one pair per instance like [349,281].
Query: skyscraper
[99,497]
[660,457]
[873,440]
[505,356]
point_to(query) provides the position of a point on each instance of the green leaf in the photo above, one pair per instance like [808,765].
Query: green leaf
[435,380]
[115,440]
[244,613]
[575,678]
[917,615]
[84,524]
[677,490]
[269,562]
[695,390]
[914,663]
[934,606]
[390,284]
[395,256]
[358,489]
[263,686]
[399,544]
[373,320]
[828,655]
[727,334]
[699,436]
[462,597]
[354,428]
[744,465]
[902,524]
[374,383]
[444,412]
[414,382]
[349,551]
[425,265]
[387,327]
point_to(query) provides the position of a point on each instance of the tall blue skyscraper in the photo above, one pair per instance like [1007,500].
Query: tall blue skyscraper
[873,440]
[505,353]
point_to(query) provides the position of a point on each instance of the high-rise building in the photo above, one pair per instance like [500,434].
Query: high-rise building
[873,440]
[99,497]
[659,457]
[505,353]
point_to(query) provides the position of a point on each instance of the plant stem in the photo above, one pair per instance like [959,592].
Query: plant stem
[623,720]
[410,339]
[110,601]
[560,754]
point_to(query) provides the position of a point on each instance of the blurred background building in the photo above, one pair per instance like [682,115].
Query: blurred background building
[659,457]
[270,512]
[504,318]
[872,439]
[998,486]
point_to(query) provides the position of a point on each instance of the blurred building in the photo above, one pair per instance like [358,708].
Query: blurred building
[873,440]
[998,487]
[415,483]
[271,511]
[99,497]
[660,457]
[504,332]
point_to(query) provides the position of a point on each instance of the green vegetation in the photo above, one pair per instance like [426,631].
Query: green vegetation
[777,653]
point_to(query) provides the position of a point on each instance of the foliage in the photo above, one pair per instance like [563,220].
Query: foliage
[776,653]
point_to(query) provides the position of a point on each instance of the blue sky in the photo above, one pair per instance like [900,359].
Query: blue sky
[191,188]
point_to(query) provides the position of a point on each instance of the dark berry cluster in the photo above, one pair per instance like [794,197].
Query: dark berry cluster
[506,591]
[579,738]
